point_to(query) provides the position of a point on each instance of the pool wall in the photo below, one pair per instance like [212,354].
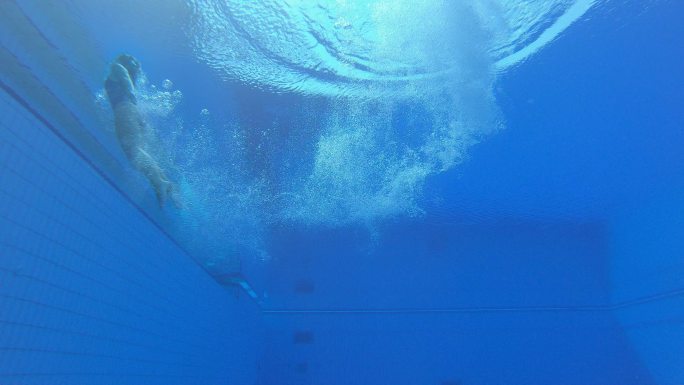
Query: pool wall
[505,300]
[647,270]
[91,289]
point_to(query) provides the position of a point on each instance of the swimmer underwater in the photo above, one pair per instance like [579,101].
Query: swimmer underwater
[133,133]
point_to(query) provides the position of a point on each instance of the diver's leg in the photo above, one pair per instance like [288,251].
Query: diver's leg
[146,164]
[162,185]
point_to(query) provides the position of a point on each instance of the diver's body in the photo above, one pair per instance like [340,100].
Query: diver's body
[131,131]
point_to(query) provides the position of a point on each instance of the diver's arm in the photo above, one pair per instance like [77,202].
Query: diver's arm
[120,73]
[119,85]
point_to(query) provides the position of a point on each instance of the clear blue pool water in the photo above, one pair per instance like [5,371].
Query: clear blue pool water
[373,192]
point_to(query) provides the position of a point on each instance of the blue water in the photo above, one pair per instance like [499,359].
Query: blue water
[409,192]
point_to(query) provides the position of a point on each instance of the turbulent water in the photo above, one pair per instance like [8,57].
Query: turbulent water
[408,89]
[368,48]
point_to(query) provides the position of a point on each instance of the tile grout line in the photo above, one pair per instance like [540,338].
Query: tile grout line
[23,103]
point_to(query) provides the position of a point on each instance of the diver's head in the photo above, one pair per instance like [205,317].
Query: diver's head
[131,64]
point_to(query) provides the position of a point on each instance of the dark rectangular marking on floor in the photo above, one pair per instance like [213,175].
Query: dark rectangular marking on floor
[302,337]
